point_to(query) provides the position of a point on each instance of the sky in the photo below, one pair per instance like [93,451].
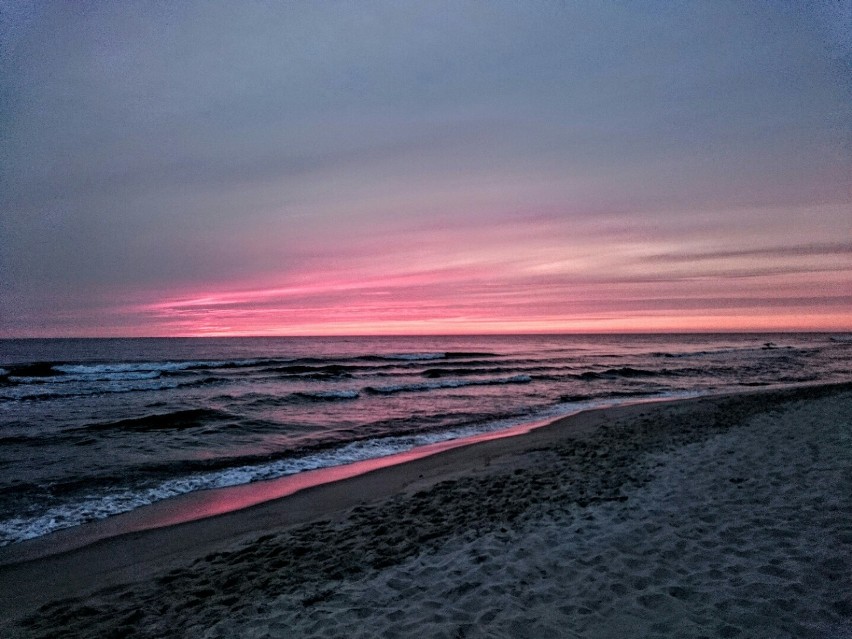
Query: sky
[401,167]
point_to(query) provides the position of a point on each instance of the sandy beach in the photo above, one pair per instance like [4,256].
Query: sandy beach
[713,517]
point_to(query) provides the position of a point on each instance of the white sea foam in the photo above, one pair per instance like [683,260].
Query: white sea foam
[87,387]
[416,356]
[134,367]
[92,377]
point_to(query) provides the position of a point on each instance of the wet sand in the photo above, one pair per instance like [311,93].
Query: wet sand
[716,517]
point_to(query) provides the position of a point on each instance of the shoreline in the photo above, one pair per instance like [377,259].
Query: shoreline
[214,502]
[143,557]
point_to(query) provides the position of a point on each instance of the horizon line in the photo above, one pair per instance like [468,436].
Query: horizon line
[408,335]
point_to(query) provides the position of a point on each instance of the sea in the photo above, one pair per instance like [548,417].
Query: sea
[91,428]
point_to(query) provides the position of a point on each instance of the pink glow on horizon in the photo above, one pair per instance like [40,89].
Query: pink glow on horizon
[458,300]
[546,276]
[530,279]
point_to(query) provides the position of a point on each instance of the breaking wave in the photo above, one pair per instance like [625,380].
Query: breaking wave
[449,383]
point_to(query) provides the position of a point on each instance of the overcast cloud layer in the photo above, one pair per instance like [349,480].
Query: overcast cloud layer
[360,167]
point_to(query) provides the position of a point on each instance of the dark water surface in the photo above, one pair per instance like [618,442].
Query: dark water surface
[94,427]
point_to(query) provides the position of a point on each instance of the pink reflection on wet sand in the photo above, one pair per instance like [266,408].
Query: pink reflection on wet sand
[217,501]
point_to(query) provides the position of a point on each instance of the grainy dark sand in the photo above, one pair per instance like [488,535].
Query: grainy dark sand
[719,517]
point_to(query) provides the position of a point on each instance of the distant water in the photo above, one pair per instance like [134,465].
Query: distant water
[91,428]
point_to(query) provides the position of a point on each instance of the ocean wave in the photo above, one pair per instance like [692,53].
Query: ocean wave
[455,372]
[450,383]
[468,354]
[625,371]
[47,439]
[95,377]
[760,349]
[34,369]
[97,369]
[411,356]
[174,420]
[327,371]
[37,392]
[327,395]
[666,355]
[23,439]
[295,365]
[133,367]
[60,373]
[428,356]
[488,369]
[268,400]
